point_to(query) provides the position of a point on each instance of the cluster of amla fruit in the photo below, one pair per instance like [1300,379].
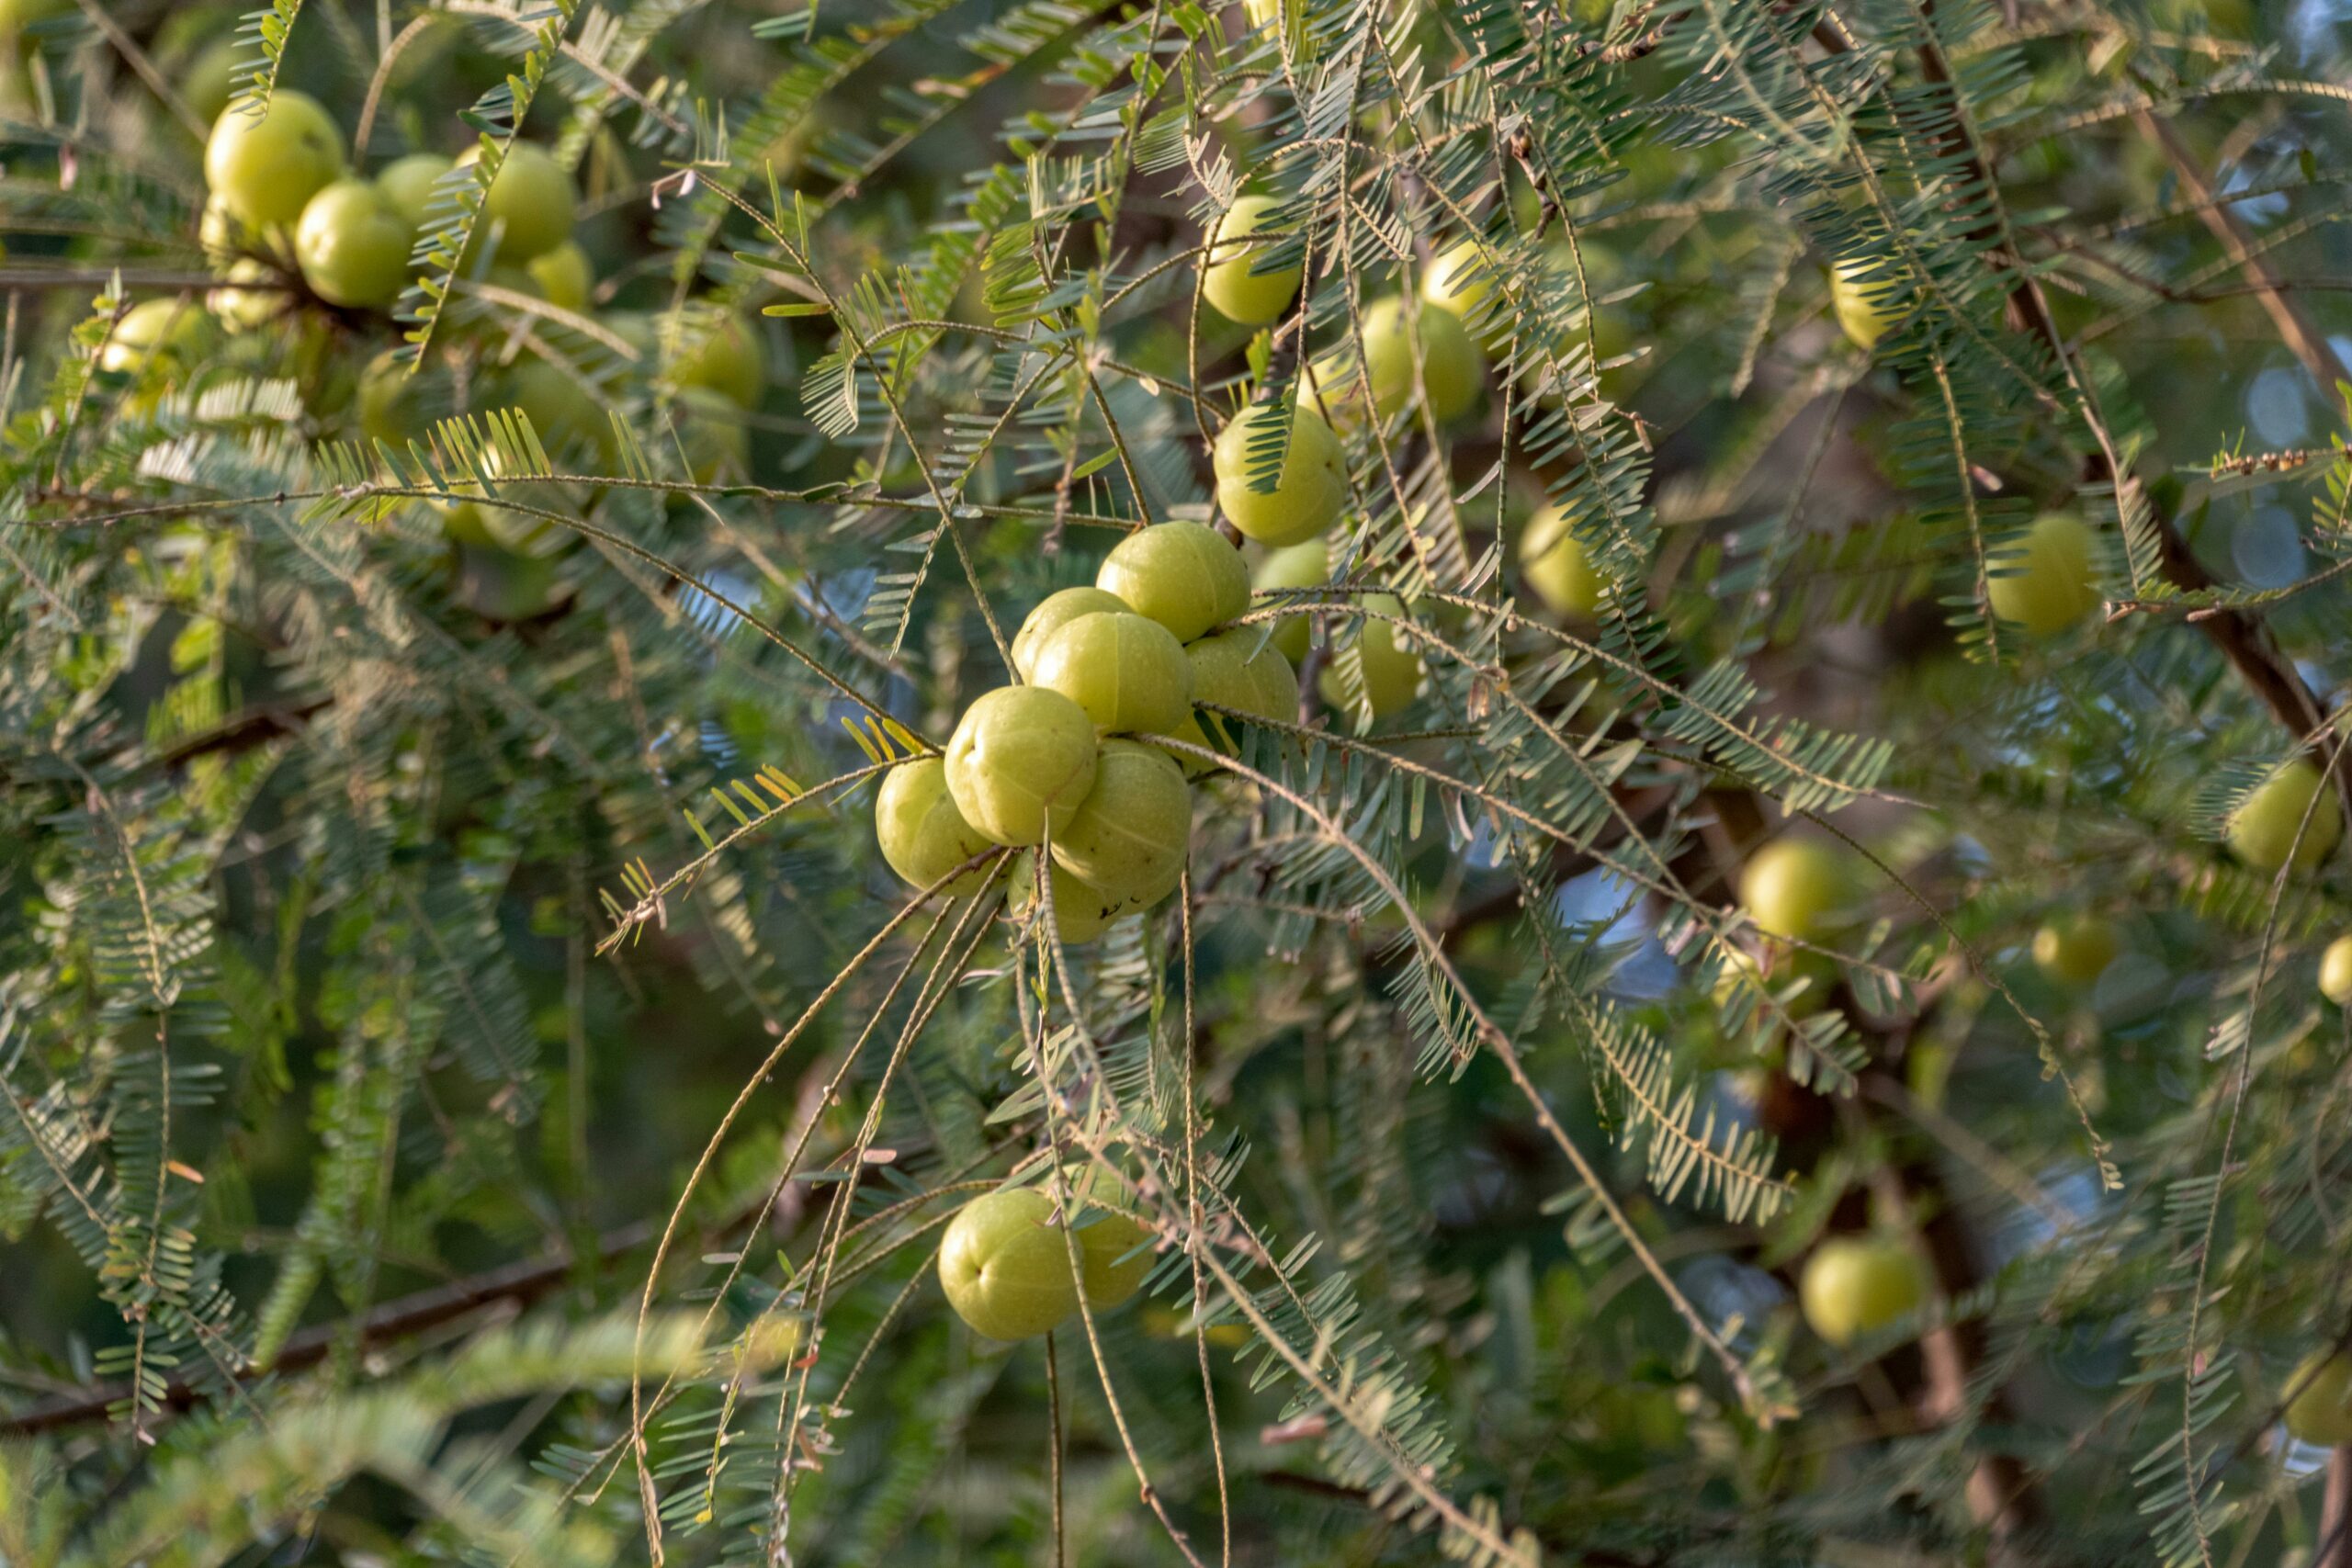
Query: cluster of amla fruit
[1060,761]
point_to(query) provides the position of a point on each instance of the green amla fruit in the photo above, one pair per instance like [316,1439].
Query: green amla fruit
[210,78]
[1021,760]
[725,355]
[2321,1411]
[1452,368]
[2336,972]
[1854,1285]
[1303,565]
[2261,829]
[240,302]
[166,331]
[1240,670]
[2075,951]
[564,412]
[1555,563]
[265,168]
[1114,1256]
[1799,889]
[2045,578]
[483,526]
[1312,489]
[1054,611]
[353,245]
[564,278]
[1126,670]
[1458,280]
[1081,911]
[1390,668]
[408,185]
[531,202]
[923,836]
[1129,837]
[1183,575]
[1860,295]
[1006,1265]
[1242,294]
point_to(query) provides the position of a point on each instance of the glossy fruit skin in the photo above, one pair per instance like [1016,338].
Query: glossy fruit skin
[1239,670]
[2049,587]
[353,245]
[728,357]
[1054,611]
[565,279]
[1006,1265]
[1852,1285]
[1303,565]
[2263,829]
[1312,491]
[1129,837]
[1081,912]
[1126,670]
[1392,671]
[407,183]
[2076,951]
[1452,368]
[2321,1411]
[265,169]
[1458,280]
[531,201]
[2336,972]
[1022,759]
[1239,294]
[1858,290]
[1183,575]
[1798,889]
[923,836]
[1556,566]
[1104,1237]
[169,331]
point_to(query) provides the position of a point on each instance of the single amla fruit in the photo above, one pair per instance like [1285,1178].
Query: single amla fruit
[1390,668]
[407,183]
[1458,280]
[353,245]
[725,355]
[2336,972]
[1006,1265]
[1242,669]
[1126,670]
[1183,575]
[923,835]
[1303,565]
[2045,584]
[2321,1411]
[1799,889]
[564,276]
[1021,760]
[210,78]
[1113,1255]
[1852,1285]
[1859,290]
[1129,836]
[1242,294]
[265,168]
[1557,567]
[532,200]
[2075,951]
[1451,366]
[1054,611]
[167,330]
[1081,911]
[1312,489]
[2261,829]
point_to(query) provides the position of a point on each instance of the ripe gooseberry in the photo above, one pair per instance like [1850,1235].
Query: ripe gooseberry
[1239,292]
[1006,1265]
[923,836]
[1126,670]
[2336,971]
[1021,759]
[1389,670]
[531,201]
[1128,837]
[1799,889]
[2046,582]
[1556,566]
[165,331]
[1860,290]
[2263,829]
[1183,575]
[1458,280]
[725,355]
[407,183]
[2321,1410]
[353,245]
[1303,565]
[563,277]
[1113,1259]
[2077,950]
[265,168]
[1451,363]
[1312,489]
[1054,611]
[1852,1285]
[1240,670]
[1081,912]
